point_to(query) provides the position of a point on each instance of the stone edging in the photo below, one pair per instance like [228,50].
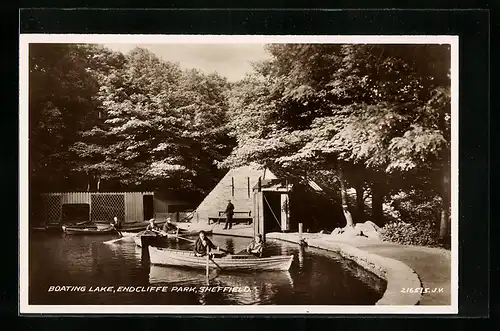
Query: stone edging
[398,275]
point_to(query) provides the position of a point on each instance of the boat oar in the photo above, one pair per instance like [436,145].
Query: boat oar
[117,231]
[218,266]
[190,240]
[119,239]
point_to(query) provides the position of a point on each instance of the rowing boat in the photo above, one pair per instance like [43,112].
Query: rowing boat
[136,226]
[88,230]
[182,258]
[145,239]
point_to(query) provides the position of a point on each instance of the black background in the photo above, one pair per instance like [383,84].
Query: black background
[472,27]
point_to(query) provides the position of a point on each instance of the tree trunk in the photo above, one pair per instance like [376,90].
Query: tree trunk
[98,184]
[345,202]
[377,200]
[444,224]
[360,202]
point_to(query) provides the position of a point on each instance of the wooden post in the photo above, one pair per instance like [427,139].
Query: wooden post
[207,261]
[300,231]
[284,212]
[90,208]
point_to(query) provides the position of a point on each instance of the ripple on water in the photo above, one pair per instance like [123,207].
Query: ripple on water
[317,277]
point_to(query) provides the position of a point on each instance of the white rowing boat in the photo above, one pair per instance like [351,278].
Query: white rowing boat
[182,258]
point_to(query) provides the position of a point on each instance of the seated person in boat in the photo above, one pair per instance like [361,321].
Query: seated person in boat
[256,246]
[116,224]
[169,227]
[201,244]
[152,226]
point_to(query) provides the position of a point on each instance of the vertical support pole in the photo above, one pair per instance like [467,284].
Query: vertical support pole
[300,231]
[232,186]
[284,212]
[90,207]
[208,257]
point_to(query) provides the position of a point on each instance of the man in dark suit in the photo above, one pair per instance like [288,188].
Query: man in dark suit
[229,215]
[203,245]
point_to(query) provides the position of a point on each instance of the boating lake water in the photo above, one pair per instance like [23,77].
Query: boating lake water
[95,273]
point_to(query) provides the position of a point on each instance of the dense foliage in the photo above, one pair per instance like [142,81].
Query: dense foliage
[422,234]
[375,118]
[108,121]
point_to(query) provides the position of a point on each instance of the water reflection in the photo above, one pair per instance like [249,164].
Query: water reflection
[230,245]
[301,257]
[242,287]
[316,277]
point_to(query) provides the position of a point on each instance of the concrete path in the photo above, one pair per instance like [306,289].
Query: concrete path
[238,230]
[433,265]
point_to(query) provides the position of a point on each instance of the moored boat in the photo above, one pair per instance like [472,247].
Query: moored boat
[91,230]
[182,258]
[144,239]
[138,226]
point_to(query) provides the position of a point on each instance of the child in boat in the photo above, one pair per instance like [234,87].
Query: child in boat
[256,246]
[201,244]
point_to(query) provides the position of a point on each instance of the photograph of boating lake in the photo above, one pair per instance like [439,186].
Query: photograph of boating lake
[257,173]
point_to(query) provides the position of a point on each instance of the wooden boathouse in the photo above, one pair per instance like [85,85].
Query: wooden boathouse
[281,204]
[270,203]
[129,207]
[236,186]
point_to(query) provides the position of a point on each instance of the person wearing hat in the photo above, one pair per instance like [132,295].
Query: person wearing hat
[169,226]
[152,226]
[229,215]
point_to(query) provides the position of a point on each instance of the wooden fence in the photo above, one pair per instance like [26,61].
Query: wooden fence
[103,206]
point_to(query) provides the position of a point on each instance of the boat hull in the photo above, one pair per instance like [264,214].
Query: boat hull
[171,257]
[88,231]
[138,226]
[149,240]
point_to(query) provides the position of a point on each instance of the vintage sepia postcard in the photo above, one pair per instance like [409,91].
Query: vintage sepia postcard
[182,174]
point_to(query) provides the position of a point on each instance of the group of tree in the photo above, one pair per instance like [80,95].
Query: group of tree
[375,118]
[104,121]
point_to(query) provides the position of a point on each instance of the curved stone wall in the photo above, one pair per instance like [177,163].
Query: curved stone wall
[398,275]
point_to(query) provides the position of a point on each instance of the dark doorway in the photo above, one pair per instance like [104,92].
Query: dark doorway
[75,213]
[272,211]
[148,206]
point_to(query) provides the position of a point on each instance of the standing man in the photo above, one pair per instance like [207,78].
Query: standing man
[229,215]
